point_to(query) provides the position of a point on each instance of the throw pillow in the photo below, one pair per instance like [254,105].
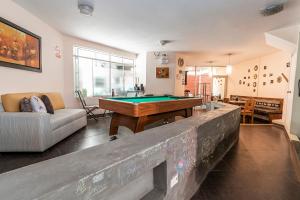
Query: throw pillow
[37,105]
[48,104]
[25,105]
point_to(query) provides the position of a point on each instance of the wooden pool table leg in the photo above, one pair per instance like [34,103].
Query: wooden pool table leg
[188,112]
[136,124]
[114,124]
[140,124]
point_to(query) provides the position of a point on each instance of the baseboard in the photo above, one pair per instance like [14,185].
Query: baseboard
[294,148]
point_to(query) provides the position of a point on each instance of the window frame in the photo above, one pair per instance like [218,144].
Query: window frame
[76,76]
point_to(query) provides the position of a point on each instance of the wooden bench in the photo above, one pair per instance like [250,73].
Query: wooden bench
[266,108]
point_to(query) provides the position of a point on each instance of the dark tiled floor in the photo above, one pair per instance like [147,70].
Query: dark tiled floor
[257,168]
[94,134]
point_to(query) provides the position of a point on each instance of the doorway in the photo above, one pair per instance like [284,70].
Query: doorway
[209,83]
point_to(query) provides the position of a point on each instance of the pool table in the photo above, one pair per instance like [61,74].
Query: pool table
[136,112]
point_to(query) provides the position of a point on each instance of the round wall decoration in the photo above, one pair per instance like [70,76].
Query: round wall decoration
[180,62]
[255,68]
[254,84]
[255,76]
[279,79]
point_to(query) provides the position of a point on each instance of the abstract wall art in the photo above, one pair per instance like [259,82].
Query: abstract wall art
[19,48]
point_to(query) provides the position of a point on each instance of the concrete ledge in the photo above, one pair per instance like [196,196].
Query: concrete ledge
[184,151]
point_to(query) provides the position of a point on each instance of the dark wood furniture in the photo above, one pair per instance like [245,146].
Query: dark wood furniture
[237,103]
[135,115]
[265,108]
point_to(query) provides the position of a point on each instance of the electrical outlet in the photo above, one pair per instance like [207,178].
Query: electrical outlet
[174,180]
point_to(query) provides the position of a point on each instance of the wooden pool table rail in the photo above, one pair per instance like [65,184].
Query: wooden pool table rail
[147,108]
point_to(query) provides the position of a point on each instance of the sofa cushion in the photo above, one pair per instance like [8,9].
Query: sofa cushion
[11,102]
[65,116]
[48,104]
[56,100]
[37,105]
[267,111]
[25,105]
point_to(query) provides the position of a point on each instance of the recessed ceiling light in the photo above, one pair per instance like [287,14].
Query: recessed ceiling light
[272,9]
[86,7]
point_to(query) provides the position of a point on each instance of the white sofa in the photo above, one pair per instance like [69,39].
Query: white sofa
[36,132]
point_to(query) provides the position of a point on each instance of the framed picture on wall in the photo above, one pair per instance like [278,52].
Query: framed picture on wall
[19,48]
[162,72]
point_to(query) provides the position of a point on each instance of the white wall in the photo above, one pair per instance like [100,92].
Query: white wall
[58,74]
[294,127]
[160,86]
[276,64]
[141,68]
[290,94]
[51,79]
[69,42]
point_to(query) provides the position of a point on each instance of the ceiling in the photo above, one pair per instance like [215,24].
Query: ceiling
[208,28]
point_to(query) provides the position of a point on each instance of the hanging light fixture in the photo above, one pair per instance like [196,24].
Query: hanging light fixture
[229,66]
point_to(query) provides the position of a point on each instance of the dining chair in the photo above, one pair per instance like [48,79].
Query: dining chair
[248,110]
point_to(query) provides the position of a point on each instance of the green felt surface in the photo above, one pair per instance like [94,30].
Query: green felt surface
[145,99]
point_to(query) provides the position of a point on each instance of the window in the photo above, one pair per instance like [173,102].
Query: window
[97,73]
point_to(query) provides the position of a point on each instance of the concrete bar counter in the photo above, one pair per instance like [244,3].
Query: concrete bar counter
[167,162]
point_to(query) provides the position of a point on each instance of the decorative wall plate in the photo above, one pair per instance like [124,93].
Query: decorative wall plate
[279,79]
[255,68]
[272,81]
[255,76]
[254,84]
[180,62]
